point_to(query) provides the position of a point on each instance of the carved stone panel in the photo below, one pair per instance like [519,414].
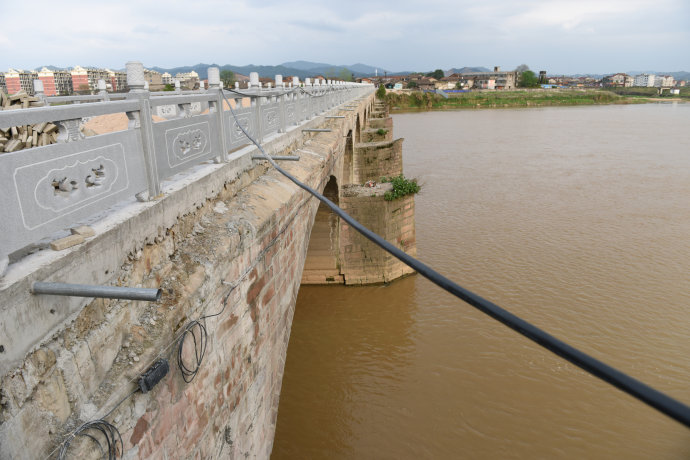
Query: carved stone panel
[245,117]
[291,113]
[271,119]
[55,187]
[187,143]
[167,111]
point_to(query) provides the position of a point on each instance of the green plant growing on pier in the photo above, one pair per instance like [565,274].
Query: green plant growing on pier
[381,92]
[381,132]
[402,186]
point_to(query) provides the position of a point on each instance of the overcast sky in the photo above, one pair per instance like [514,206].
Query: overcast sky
[560,36]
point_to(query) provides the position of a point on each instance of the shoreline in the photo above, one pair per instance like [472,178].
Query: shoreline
[420,102]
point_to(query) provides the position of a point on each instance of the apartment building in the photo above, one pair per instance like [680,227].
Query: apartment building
[167,79]
[644,80]
[497,79]
[17,80]
[86,79]
[55,82]
[188,79]
[664,81]
[117,80]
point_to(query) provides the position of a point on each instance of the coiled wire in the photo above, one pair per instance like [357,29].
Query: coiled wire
[102,433]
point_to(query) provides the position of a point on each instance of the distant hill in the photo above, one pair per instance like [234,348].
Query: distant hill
[304,65]
[359,70]
[466,70]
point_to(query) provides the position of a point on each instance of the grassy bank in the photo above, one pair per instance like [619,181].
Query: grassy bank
[502,99]
[652,93]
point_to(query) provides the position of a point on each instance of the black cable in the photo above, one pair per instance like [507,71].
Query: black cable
[100,432]
[199,335]
[654,398]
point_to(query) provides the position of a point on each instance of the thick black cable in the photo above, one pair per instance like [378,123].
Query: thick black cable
[652,397]
[109,435]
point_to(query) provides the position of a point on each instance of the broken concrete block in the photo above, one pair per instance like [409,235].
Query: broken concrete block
[83,230]
[66,242]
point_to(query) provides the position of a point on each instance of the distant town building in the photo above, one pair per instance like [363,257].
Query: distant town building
[154,79]
[17,80]
[189,80]
[501,79]
[117,80]
[617,80]
[86,79]
[644,80]
[664,81]
[55,82]
[167,79]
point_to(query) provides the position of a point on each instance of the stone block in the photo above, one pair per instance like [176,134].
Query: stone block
[83,230]
[66,242]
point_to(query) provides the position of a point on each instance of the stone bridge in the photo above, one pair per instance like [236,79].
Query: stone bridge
[217,230]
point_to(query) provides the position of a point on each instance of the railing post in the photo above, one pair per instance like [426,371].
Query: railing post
[102,90]
[281,103]
[39,92]
[214,86]
[142,120]
[256,86]
[308,98]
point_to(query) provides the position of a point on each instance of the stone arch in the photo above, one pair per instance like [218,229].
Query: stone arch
[322,264]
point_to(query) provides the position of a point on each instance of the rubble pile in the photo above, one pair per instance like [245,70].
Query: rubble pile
[23,137]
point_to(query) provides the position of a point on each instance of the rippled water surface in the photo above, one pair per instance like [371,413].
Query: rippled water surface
[576,219]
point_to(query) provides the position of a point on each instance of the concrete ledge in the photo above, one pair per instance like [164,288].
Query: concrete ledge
[27,320]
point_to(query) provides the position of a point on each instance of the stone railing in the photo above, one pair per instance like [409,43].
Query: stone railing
[49,189]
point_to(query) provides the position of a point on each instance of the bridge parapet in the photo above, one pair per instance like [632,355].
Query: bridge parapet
[46,190]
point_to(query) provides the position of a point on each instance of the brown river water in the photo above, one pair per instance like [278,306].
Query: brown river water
[576,219]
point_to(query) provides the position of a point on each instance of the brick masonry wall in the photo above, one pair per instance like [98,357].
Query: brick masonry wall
[362,262]
[373,160]
[248,243]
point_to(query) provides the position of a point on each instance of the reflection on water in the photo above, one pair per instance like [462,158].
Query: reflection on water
[578,220]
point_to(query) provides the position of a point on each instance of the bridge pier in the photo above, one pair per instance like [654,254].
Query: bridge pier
[340,255]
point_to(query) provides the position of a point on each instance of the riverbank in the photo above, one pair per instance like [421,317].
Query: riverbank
[412,101]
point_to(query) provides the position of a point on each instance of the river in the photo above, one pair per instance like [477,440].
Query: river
[576,219]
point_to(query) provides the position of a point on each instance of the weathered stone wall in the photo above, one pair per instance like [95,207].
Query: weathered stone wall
[363,262]
[376,159]
[374,135]
[246,240]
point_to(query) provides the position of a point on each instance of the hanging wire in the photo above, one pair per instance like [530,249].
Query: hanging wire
[650,396]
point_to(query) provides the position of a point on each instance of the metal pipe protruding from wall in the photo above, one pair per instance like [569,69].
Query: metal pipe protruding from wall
[87,290]
[277,157]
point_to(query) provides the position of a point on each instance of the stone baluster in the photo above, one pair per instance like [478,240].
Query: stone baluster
[282,101]
[217,107]
[39,91]
[256,86]
[178,86]
[102,90]
[142,121]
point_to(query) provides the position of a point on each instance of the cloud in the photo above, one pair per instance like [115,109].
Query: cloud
[401,35]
